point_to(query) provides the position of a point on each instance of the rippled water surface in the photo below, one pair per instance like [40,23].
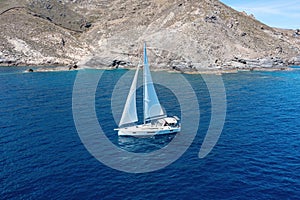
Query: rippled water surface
[257,155]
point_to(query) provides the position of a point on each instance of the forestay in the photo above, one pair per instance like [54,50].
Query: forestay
[130,112]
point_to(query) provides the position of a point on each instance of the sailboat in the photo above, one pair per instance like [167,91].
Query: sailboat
[156,121]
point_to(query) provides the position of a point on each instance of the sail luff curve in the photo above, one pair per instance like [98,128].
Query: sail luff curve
[129,114]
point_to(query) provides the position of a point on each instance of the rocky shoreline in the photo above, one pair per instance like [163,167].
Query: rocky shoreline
[185,37]
[232,66]
[215,71]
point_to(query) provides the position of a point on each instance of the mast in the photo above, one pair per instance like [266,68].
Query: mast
[144,79]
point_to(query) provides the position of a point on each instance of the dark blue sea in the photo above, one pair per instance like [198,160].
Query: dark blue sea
[257,156]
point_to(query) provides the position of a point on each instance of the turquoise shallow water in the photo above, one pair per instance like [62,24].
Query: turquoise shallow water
[257,155]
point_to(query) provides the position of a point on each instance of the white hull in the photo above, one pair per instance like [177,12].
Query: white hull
[147,130]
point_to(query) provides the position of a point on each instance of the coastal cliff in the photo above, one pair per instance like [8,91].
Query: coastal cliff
[182,35]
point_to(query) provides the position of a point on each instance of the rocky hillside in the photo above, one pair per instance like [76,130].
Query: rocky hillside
[184,35]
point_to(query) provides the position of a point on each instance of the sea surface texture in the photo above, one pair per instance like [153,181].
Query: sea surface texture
[256,157]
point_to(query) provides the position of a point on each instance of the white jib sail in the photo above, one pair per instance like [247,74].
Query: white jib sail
[152,107]
[130,113]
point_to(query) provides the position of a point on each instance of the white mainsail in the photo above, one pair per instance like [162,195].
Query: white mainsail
[152,107]
[130,112]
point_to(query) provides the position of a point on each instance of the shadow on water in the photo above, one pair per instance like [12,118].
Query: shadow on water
[145,144]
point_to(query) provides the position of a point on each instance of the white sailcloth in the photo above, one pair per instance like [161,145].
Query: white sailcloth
[130,112]
[152,107]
